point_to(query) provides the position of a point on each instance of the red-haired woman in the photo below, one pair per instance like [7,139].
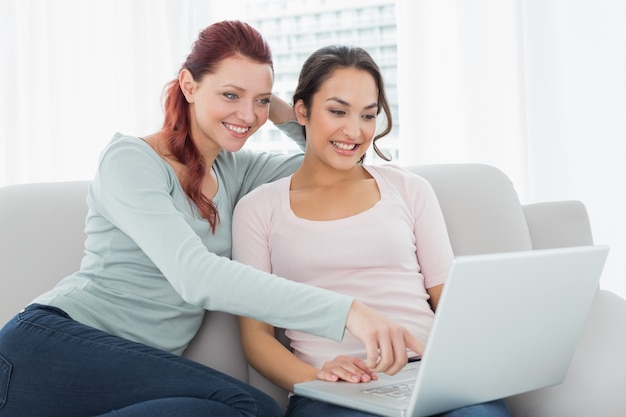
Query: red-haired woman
[107,340]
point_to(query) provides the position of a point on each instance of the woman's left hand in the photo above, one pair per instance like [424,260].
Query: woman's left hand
[346,368]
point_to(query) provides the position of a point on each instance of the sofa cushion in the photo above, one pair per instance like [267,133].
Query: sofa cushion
[557,224]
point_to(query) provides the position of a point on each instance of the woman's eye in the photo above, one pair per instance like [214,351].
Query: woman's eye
[264,101]
[369,116]
[337,112]
[231,96]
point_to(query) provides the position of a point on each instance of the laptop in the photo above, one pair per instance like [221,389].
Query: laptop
[506,323]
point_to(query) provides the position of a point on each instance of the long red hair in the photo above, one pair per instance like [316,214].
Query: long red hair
[215,43]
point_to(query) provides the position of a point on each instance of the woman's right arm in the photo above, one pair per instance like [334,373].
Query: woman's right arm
[278,364]
[134,191]
[270,358]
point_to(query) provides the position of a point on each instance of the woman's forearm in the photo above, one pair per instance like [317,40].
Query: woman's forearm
[270,358]
[280,111]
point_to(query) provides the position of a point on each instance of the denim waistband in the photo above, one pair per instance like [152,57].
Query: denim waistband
[46,308]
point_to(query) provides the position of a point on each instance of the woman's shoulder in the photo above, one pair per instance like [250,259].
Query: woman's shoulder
[270,191]
[395,174]
[121,143]
[131,159]
[120,139]
[264,200]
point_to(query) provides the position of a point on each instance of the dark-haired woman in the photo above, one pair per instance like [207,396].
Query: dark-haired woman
[376,233]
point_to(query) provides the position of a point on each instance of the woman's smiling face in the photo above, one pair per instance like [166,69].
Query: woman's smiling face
[341,122]
[230,104]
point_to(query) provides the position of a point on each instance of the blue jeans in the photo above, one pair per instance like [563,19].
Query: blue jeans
[304,407]
[51,365]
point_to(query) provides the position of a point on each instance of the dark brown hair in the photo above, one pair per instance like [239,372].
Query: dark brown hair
[320,66]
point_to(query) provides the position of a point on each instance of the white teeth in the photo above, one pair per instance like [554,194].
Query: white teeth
[343,146]
[236,129]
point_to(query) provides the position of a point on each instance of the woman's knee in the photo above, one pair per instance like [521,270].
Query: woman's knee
[266,405]
[305,407]
[497,408]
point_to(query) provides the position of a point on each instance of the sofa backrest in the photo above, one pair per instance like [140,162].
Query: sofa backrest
[558,224]
[481,208]
[41,241]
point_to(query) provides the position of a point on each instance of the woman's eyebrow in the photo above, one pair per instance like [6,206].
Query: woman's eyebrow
[345,103]
[241,89]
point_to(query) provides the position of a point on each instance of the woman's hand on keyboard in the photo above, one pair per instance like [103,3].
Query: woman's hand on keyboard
[346,368]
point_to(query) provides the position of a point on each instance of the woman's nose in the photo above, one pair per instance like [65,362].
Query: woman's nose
[352,128]
[246,113]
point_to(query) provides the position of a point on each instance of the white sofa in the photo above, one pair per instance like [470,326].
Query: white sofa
[41,241]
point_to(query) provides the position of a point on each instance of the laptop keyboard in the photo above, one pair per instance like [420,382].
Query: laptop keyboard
[399,391]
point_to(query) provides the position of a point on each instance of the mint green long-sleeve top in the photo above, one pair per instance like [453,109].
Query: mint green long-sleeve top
[152,266]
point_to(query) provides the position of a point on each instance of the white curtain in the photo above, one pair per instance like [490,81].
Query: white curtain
[536,88]
[74,72]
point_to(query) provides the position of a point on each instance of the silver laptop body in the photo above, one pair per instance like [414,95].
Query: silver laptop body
[507,323]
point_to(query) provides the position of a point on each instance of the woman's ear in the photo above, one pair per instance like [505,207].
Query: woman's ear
[187,84]
[301,113]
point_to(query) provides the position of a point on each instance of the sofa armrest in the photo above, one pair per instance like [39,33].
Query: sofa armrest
[596,379]
[558,224]
[597,375]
